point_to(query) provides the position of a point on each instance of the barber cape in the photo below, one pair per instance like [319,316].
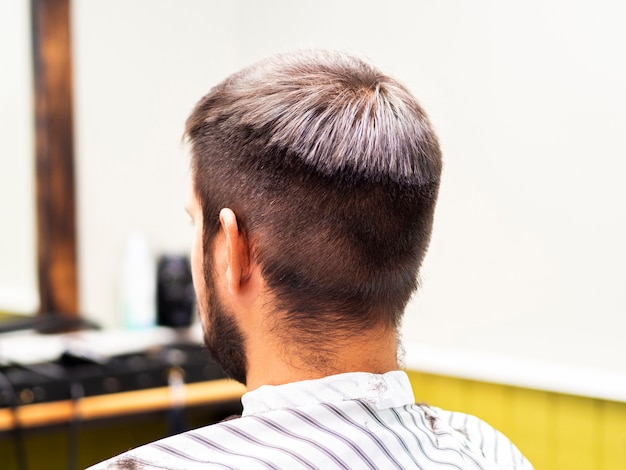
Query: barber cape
[348,421]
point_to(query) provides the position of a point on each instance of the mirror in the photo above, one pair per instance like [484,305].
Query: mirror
[529,102]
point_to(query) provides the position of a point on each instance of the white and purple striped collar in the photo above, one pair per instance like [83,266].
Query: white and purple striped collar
[381,391]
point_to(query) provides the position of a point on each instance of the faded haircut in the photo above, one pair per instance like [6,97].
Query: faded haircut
[332,169]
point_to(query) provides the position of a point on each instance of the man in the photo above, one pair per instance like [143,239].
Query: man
[315,179]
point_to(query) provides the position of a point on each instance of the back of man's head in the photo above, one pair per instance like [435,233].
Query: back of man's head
[332,170]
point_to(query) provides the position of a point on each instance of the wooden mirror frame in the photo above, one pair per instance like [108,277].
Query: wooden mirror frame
[54,158]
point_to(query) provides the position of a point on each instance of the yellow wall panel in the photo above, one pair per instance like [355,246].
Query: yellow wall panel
[576,424]
[489,401]
[528,424]
[612,451]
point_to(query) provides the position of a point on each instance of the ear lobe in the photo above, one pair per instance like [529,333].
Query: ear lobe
[236,251]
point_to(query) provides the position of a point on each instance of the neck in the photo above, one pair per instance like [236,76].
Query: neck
[272,362]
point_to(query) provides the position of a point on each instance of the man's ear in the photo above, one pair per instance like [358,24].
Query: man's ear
[237,252]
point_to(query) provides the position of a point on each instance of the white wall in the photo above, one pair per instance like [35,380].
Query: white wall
[527,257]
[18,276]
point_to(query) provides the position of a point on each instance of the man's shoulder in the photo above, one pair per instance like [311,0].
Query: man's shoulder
[480,435]
[178,451]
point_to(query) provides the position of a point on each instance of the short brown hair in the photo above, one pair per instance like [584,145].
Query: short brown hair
[332,169]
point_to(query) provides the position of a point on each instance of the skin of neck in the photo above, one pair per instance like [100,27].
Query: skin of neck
[273,361]
[273,358]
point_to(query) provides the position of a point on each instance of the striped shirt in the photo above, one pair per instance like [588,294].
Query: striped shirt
[346,421]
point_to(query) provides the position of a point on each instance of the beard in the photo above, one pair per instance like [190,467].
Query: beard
[222,335]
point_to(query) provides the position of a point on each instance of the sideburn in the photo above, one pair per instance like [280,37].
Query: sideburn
[222,335]
[226,343]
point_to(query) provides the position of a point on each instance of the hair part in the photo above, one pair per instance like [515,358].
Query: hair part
[332,169]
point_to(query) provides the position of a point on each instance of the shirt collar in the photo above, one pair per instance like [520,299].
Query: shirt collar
[388,390]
